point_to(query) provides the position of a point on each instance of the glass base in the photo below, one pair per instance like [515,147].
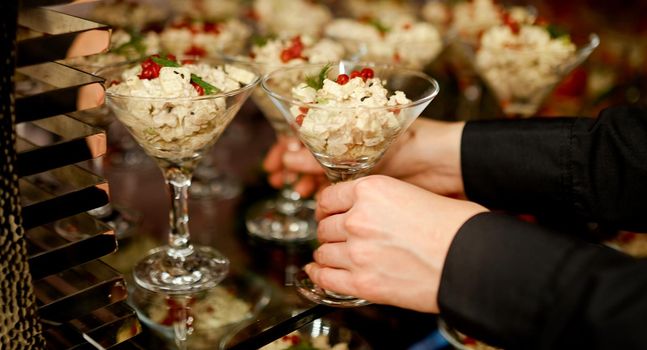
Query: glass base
[264,220]
[201,270]
[319,295]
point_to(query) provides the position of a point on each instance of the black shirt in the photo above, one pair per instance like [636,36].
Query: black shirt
[522,286]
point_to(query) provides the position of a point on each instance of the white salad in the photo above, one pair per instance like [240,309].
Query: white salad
[160,102]
[349,118]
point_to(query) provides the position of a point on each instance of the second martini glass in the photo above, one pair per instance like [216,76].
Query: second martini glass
[287,217]
[176,130]
[350,134]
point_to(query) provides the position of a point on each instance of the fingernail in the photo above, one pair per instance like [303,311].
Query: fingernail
[308,268]
[290,158]
[294,145]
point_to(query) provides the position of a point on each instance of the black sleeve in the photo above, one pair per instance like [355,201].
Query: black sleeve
[591,169]
[519,286]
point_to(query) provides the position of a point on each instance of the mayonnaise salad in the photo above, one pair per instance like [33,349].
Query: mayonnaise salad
[166,105]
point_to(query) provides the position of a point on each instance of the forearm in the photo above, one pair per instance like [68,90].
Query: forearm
[588,169]
[518,285]
[428,156]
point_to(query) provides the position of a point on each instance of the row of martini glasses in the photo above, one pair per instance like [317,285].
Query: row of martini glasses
[181,267]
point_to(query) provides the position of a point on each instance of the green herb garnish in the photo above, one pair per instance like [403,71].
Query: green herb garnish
[379,26]
[135,43]
[556,31]
[165,62]
[318,81]
[208,88]
[303,345]
[261,40]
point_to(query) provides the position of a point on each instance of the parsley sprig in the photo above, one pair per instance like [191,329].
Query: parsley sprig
[261,40]
[381,27]
[208,88]
[556,31]
[318,81]
[135,43]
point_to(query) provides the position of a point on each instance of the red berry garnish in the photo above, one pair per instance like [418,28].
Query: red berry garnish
[303,110]
[354,74]
[293,51]
[342,79]
[511,23]
[627,237]
[299,119]
[211,27]
[150,69]
[367,73]
[406,26]
[195,51]
[286,55]
[198,88]
[253,15]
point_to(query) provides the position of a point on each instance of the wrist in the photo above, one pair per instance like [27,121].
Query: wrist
[440,145]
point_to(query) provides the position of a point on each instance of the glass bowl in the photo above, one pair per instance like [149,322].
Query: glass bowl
[319,330]
[460,341]
[206,317]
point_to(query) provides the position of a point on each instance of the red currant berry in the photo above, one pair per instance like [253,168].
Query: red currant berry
[367,73]
[299,119]
[354,74]
[195,51]
[211,27]
[198,88]
[286,55]
[342,79]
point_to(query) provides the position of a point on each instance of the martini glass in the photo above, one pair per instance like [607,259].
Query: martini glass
[286,218]
[364,149]
[522,78]
[178,267]
[365,43]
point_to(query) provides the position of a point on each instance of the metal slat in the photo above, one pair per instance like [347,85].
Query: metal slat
[65,90]
[78,291]
[55,35]
[50,253]
[60,193]
[68,141]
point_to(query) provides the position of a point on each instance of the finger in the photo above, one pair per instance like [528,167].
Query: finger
[276,179]
[336,280]
[306,186]
[332,229]
[333,255]
[335,199]
[273,161]
[302,161]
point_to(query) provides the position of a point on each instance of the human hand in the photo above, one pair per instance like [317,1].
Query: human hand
[385,241]
[427,155]
[306,178]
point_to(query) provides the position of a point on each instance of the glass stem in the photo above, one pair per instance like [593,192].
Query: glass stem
[289,201]
[178,181]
